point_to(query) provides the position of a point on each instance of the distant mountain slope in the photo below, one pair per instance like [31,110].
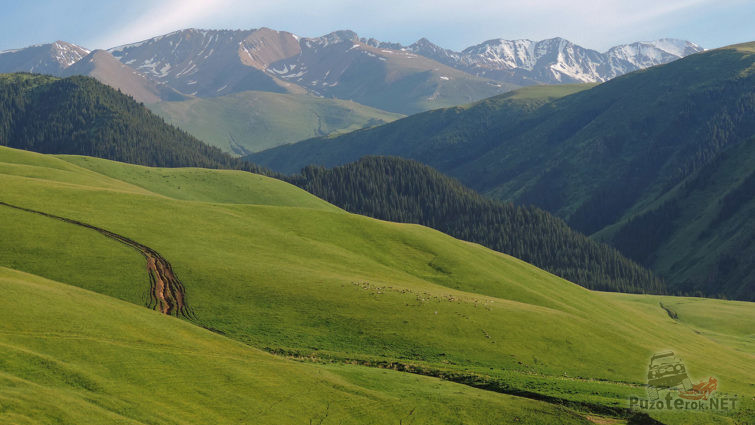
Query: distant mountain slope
[554,61]
[702,231]
[389,76]
[101,65]
[340,65]
[402,190]
[199,62]
[251,121]
[209,63]
[79,115]
[63,59]
[385,75]
[442,138]
[644,54]
[596,158]
[50,58]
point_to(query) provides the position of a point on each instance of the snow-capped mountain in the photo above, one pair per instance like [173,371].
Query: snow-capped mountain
[645,54]
[202,62]
[101,65]
[209,63]
[43,58]
[555,60]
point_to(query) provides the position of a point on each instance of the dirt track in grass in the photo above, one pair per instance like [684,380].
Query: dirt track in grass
[166,294]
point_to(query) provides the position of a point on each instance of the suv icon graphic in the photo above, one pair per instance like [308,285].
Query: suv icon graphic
[666,371]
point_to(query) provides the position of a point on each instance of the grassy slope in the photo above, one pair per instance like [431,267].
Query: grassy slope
[200,184]
[396,81]
[728,322]
[72,356]
[335,285]
[700,241]
[253,121]
[438,138]
[636,130]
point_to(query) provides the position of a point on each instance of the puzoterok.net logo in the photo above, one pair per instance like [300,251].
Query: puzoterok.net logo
[670,388]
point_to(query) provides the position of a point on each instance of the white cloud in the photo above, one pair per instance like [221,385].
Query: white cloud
[165,17]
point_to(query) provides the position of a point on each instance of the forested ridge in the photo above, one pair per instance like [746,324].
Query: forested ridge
[80,116]
[406,191]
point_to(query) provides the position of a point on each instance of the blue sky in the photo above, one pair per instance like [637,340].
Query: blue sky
[597,24]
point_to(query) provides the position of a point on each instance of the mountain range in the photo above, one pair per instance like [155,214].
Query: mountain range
[210,63]
[555,60]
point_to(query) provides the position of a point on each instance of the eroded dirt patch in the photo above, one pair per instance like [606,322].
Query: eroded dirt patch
[166,294]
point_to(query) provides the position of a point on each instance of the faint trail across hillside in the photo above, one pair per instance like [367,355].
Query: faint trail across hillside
[166,294]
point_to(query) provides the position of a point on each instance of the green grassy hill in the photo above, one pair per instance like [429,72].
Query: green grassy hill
[200,184]
[442,138]
[252,121]
[317,283]
[72,356]
[604,159]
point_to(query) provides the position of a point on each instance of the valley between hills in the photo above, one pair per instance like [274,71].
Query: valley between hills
[254,227]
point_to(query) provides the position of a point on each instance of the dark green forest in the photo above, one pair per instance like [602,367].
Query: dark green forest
[80,116]
[406,191]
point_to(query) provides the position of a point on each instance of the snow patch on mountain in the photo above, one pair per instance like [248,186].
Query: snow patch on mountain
[52,58]
[68,54]
[676,47]
[554,60]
